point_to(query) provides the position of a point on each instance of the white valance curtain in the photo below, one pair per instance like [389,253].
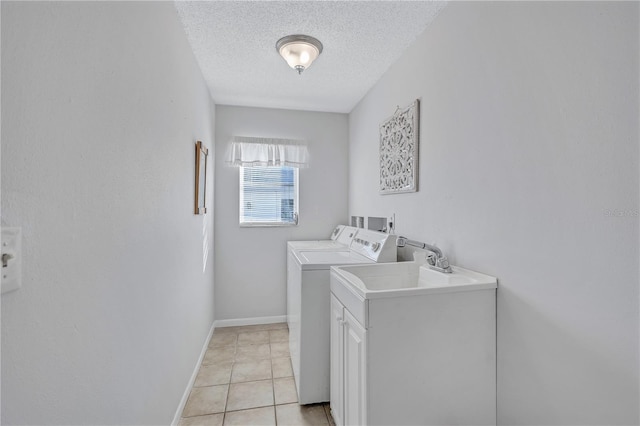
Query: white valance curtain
[251,152]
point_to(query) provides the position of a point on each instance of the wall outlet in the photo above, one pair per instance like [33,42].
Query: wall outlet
[11,260]
[391,224]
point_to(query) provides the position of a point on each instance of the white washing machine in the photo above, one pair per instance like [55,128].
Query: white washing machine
[340,240]
[308,306]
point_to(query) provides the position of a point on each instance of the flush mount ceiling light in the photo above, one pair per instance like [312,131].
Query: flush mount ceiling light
[299,50]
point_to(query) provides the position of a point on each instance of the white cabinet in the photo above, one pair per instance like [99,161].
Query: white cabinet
[419,360]
[348,367]
[337,358]
[354,373]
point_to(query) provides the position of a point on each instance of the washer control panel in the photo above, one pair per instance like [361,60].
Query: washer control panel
[347,234]
[336,232]
[377,246]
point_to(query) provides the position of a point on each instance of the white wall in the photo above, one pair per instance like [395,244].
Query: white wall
[101,105]
[251,262]
[529,138]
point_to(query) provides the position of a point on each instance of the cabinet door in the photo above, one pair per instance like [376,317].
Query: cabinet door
[355,371]
[337,365]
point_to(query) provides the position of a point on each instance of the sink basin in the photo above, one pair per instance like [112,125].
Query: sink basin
[409,278]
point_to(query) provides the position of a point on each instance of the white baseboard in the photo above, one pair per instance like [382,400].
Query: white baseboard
[192,380]
[249,321]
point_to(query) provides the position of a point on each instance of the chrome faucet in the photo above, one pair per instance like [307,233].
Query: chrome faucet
[437,262]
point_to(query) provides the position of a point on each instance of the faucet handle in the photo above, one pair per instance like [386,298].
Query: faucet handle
[442,265]
[443,262]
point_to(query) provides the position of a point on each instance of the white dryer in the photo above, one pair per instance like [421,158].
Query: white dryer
[308,307]
[340,240]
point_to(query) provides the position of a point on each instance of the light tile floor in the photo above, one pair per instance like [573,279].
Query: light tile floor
[246,379]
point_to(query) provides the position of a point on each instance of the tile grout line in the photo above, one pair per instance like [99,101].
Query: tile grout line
[233,363]
[273,384]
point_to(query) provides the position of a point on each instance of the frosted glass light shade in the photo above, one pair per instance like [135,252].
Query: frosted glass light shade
[299,50]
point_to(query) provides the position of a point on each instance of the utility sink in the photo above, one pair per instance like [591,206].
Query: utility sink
[409,278]
[412,346]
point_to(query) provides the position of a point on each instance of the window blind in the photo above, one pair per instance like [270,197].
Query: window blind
[268,195]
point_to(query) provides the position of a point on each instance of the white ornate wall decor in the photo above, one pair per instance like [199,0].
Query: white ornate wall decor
[399,139]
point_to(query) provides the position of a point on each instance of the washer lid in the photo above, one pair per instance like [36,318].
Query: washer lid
[317,245]
[313,259]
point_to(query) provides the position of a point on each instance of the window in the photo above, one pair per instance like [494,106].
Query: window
[268,196]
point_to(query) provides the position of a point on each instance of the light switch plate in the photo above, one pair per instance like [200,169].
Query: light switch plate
[11,244]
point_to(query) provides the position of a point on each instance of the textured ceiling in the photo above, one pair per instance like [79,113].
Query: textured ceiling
[234,43]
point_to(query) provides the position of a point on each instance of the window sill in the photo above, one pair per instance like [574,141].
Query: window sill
[266,225]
